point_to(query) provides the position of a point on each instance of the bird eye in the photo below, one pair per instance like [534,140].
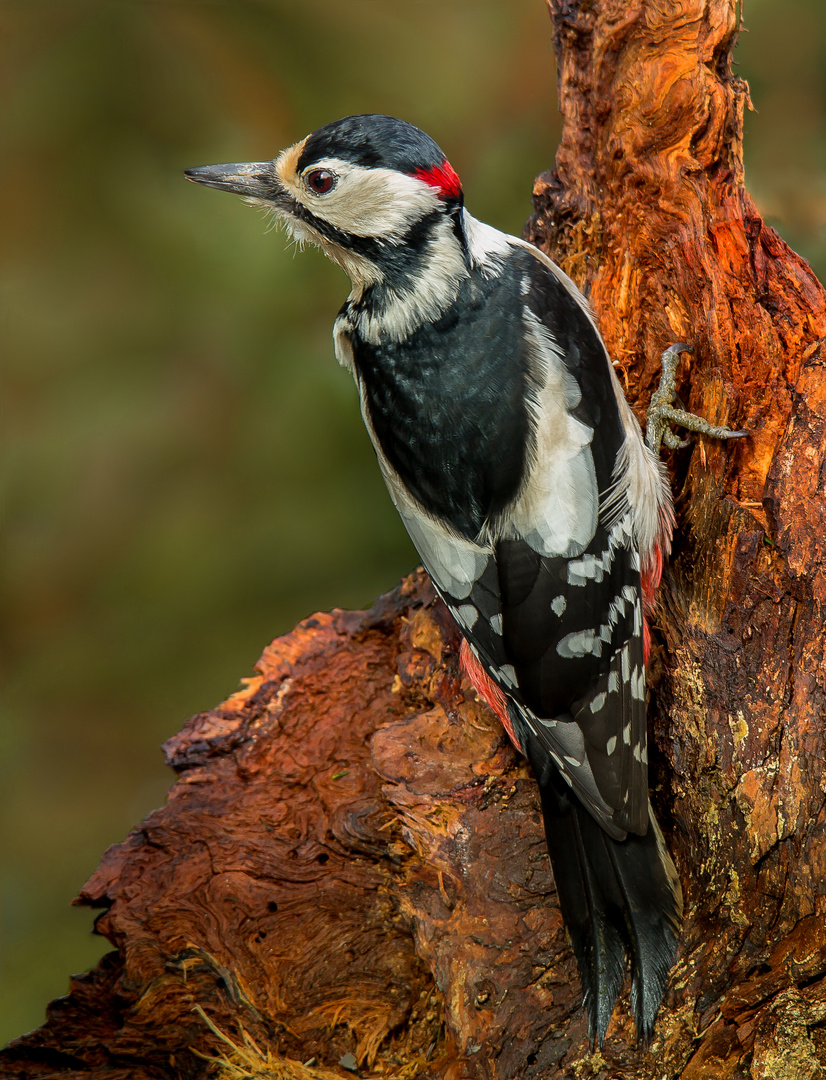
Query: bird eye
[321,181]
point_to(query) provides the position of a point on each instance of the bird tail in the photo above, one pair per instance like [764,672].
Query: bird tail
[620,899]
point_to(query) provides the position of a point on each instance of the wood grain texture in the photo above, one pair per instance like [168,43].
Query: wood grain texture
[351,860]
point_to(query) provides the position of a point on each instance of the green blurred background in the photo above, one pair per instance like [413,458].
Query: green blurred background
[184,473]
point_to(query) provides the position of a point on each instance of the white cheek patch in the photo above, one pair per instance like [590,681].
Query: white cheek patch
[364,202]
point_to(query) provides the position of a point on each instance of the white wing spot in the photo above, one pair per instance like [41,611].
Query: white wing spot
[496,624]
[638,684]
[595,567]
[558,605]
[507,673]
[613,682]
[580,643]
[467,615]
[573,761]
[589,566]
[626,734]
[597,703]
[583,642]
[611,745]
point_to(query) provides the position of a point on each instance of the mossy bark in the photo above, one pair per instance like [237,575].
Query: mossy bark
[351,860]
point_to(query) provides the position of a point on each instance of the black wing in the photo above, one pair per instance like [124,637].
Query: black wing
[562,634]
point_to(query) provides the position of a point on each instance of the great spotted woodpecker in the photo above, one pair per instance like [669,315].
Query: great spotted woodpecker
[522,477]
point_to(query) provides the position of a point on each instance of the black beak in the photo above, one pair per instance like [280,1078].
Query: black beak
[252,179]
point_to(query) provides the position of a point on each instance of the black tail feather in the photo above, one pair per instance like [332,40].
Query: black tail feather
[620,899]
[653,907]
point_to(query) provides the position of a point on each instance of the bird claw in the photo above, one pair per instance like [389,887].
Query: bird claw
[661,411]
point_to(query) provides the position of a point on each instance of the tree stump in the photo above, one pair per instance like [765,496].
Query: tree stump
[350,873]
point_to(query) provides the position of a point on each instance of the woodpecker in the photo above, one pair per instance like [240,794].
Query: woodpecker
[523,479]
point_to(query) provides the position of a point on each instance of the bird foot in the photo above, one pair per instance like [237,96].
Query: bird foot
[661,411]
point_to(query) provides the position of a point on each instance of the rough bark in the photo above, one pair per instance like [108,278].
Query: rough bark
[351,860]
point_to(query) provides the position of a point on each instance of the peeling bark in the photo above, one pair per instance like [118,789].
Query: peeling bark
[351,860]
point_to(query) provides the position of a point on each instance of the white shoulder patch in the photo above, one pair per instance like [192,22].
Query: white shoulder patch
[640,481]
[557,511]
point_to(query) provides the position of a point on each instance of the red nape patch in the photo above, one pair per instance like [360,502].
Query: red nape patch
[442,177]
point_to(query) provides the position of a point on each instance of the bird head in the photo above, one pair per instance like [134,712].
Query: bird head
[370,191]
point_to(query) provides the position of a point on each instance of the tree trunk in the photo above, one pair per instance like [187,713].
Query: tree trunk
[351,866]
